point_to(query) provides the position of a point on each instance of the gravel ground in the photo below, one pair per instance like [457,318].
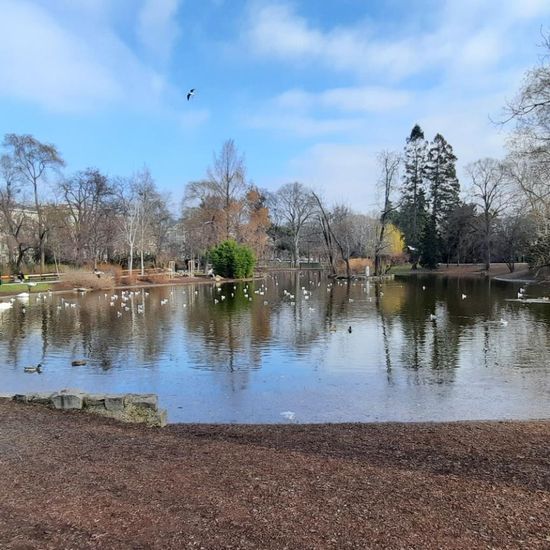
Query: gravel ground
[69,480]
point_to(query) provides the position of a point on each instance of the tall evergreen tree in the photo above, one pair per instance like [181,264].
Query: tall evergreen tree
[443,186]
[413,210]
[430,245]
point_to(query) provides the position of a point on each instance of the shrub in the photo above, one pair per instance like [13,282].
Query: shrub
[357,265]
[85,279]
[232,260]
[113,270]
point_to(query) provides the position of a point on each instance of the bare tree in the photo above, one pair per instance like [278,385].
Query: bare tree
[153,216]
[256,221]
[223,188]
[347,234]
[529,159]
[14,218]
[293,206]
[490,193]
[146,197]
[532,179]
[129,216]
[339,228]
[513,233]
[530,109]
[389,162]
[32,160]
[88,199]
[326,230]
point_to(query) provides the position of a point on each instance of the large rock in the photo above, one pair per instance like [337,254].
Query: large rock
[66,401]
[145,400]
[44,398]
[114,402]
[144,415]
[94,400]
[21,398]
[142,408]
[162,417]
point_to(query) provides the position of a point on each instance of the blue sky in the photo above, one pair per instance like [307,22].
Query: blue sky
[309,90]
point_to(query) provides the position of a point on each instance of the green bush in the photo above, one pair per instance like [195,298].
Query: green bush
[232,260]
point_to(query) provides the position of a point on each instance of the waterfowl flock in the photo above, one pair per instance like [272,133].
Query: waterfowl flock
[272,295]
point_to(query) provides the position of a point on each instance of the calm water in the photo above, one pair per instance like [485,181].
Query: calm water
[260,352]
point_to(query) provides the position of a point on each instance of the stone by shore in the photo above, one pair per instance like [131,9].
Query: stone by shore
[71,480]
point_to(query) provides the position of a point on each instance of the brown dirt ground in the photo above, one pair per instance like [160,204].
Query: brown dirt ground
[68,480]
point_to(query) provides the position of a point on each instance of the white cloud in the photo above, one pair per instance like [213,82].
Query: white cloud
[43,62]
[449,73]
[347,172]
[343,173]
[335,111]
[347,99]
[469,35]
[301,125]
[275,30]
[157,27]
[69,58]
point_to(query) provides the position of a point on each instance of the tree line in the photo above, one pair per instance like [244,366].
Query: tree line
[80,219]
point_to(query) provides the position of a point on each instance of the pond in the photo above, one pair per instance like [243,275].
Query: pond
[294,348]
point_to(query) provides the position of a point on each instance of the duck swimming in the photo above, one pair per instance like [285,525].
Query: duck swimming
[37,369]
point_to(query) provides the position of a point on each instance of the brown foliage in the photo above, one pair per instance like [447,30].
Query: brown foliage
[113,270]
[357,266]
[86,279]
[156,278]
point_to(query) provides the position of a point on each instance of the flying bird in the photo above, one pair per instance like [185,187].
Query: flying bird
[190,94]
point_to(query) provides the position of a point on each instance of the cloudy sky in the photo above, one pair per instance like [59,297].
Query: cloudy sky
[309,90]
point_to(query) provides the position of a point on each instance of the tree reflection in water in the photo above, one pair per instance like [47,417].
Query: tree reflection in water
[286,336]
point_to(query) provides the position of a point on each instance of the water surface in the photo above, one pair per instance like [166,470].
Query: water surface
[251,352]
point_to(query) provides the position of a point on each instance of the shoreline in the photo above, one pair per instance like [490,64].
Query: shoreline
[498,272]
[73,480]
[177,282]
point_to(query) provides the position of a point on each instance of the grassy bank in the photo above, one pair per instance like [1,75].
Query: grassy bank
[16,288]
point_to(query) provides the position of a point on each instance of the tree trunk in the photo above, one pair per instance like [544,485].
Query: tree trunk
[42,257]
[131,259]
[19,261]
[348,268]
[487,253]
[296,252]
[378,249]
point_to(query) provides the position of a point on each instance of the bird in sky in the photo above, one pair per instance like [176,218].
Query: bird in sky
[190,94]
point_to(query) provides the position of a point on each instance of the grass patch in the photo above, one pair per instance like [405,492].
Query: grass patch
[16,288]
[400,269]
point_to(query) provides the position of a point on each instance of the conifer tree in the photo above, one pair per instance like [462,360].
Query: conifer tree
[441,177]
[443,186]
[430,245]
[413,213]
